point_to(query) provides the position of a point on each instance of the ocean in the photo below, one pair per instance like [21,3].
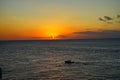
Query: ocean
[45,60]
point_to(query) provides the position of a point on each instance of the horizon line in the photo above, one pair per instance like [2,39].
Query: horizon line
[60,39]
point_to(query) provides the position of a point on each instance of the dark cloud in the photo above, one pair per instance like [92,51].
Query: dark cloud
[118,16]
[111,31]
[101,34]
[101,19]
[86,32]
[108,18]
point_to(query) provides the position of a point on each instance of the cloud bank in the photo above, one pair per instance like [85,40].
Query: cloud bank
[100,34]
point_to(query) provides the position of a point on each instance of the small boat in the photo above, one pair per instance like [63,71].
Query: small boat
[68,62]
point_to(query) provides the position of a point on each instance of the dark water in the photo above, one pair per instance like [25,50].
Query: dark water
[44,60]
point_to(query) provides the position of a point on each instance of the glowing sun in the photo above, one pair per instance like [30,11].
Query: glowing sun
[55,32]
[53,35]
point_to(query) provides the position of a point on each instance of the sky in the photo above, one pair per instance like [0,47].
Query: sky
[59,19]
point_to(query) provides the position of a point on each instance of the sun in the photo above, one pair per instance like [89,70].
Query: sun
[51,32]
[53,35]
[55,32]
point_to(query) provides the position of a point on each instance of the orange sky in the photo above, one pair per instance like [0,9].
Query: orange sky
[59,19]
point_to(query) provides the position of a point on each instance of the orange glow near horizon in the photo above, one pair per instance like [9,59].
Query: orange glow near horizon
[54,32]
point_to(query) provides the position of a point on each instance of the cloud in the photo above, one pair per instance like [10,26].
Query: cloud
[100,34]
[86,32]
[111,31]
[101,19]
[118,16]
[108,18]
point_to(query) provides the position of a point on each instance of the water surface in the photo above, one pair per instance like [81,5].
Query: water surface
[44,60]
